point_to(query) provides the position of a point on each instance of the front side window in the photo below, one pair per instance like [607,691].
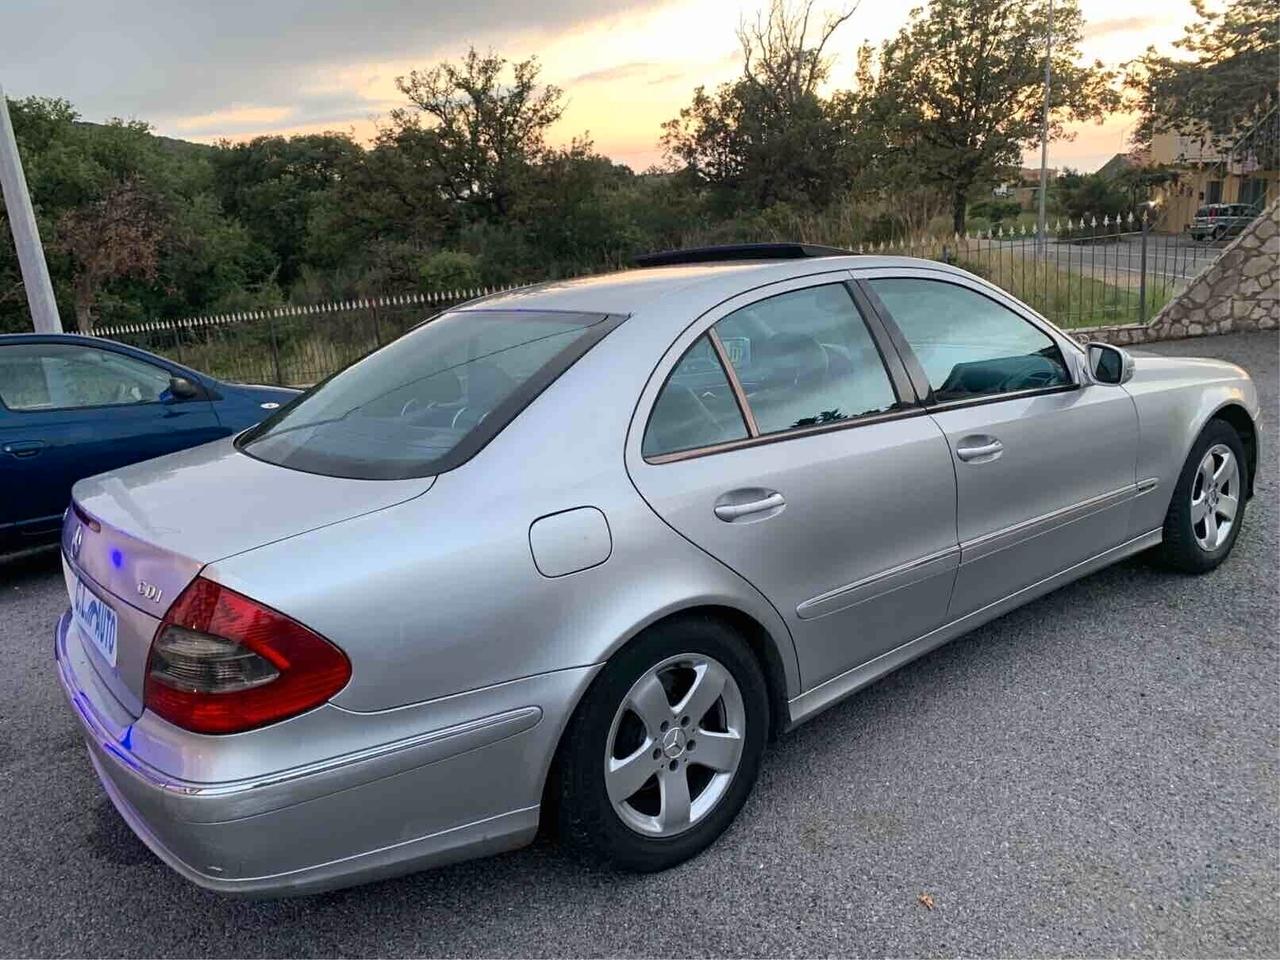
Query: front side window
[61,376]
[429,400]
[970,345]
[806,358]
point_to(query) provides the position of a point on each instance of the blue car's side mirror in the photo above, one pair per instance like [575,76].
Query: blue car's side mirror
[180,388]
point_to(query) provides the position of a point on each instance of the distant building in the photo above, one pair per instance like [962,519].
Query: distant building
[1116,166]
[1204,173]
[1024,188]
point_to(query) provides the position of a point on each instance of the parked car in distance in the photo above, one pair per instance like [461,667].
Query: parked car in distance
[578,550]
[1218,221]
[72,406]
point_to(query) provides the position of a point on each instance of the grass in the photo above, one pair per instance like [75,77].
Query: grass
[1069,299]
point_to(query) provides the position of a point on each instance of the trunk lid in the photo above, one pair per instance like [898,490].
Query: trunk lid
[135,537]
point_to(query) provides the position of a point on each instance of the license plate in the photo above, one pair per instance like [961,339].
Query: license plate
[96,620]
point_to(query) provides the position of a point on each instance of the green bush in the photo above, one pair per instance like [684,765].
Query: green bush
[449,270]
[995,210]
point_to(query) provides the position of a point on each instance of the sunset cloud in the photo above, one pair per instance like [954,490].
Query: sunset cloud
[241,68]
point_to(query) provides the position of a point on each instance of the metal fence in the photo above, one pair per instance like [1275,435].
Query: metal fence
[294,345]
[1095,271]
[1088,272]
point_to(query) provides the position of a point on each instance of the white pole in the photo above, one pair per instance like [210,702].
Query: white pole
[26,236]
[1044,130]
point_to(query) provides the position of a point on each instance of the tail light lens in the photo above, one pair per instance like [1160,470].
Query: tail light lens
[222,663]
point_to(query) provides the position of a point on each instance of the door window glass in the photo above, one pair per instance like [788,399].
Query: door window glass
[806,358]
[696,408]
[52,376]
[968,344]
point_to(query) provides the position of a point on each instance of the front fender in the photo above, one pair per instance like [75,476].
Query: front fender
[1175,398]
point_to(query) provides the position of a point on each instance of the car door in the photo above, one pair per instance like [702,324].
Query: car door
[781,438]
[1044,459]
[73,410]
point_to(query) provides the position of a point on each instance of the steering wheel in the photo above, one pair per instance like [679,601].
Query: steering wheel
[1029,380]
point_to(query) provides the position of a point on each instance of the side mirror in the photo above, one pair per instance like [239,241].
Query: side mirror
[1109,364]
[180,388]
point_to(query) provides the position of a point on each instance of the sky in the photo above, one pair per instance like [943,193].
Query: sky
[241,68]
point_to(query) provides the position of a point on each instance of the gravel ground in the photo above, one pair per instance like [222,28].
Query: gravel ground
[1093,774]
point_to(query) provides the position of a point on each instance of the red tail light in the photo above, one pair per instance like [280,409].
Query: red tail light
[222,663]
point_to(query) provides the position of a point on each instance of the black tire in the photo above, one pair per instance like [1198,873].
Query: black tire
[1179,549]
[586,818]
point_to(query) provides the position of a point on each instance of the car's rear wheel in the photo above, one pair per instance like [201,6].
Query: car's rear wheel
[665,746]
[1208,504]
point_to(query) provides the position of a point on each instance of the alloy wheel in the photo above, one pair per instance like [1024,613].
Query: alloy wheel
[674,745]
[1215,497]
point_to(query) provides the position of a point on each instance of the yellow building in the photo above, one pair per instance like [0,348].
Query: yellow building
[1206,173]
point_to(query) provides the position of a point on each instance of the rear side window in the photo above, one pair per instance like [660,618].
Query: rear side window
[431,399]
[969,345]
[696,408]
[801,359]
[806,358]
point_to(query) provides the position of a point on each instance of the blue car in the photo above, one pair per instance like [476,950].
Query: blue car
[73,406]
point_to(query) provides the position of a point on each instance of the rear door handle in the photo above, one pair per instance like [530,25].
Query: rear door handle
[24,448]
[730,509]
[979,449]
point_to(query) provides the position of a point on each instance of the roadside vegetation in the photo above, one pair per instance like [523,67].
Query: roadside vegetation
[461,188]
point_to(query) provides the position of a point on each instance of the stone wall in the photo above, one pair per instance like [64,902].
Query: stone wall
[1238,291]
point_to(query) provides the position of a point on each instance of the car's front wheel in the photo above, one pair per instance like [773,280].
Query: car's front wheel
[665,747]
[1208,504]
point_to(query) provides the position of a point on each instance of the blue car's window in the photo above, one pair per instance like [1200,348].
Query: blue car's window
[59,376]
[428,401]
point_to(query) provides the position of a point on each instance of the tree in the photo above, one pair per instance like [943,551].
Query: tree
[273,184]
[482,133]
[768,136]
[110,238]
[1222,85]
[957,95]
[1087,194]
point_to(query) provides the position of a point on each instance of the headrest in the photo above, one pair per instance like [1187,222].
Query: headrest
[787,358]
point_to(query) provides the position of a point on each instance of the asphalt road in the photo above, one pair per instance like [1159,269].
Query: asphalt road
[1093,774]
[1169,257]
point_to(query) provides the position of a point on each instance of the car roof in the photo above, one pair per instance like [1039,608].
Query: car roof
[629,291]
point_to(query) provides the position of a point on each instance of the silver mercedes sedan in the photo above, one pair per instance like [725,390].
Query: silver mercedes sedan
[576,552]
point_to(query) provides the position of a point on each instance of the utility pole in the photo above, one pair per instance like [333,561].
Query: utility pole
[26,236]
[1044,130]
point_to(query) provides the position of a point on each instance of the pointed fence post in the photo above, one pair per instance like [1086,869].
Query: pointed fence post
[177,339]
[275,347]
[1142,272]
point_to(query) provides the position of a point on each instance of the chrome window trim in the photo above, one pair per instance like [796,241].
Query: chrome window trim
[782,435]
[705,323]
[735,383]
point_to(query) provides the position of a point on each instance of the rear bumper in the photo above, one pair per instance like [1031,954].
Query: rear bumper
[467,789]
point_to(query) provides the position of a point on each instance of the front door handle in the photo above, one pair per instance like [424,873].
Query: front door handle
[24,448]
[730,507]
[979,449]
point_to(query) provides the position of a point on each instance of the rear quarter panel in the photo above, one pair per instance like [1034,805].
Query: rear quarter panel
[1175,398]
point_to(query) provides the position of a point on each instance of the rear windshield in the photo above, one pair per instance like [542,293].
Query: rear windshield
[430,400]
